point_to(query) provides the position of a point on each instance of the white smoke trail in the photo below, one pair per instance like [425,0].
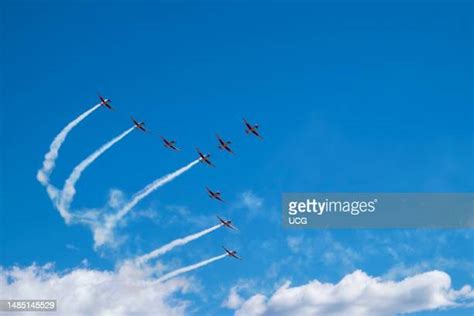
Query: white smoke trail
[192,267]
[49,161]
[103,233]
[175,243]
[152,187]
[69,190]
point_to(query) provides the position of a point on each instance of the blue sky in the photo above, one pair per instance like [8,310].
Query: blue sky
[350,98]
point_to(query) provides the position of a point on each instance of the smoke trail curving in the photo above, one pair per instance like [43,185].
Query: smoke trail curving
[103,233]
[175,243]
[69,190]
[192,267]
[49,161]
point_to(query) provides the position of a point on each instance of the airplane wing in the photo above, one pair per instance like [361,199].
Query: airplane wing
[257,134]
[226,223]
[204,158]
[235,256]
[232,227]
[209,163]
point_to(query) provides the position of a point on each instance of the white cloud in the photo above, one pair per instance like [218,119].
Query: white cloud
[323,248]
[359,294]
[182,215]
[71,247]
[234,300]
[294,243]
[116,198]
[148,214]
[251,200]
[339,254]
[82,291]
[256,305]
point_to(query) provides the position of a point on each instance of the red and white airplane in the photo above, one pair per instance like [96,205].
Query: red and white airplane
[224,145]
[205,158]
[249,128]
[105,102]
[139,125]
[231,253]
[227,223]
[215,195]
[171,144]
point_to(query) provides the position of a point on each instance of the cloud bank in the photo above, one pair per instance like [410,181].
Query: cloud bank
[82,291]
[356,294]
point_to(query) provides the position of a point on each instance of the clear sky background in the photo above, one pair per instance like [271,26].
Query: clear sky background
[350,98]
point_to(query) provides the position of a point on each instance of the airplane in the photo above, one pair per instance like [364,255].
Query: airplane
[227,223]
[139,125]
[231,253]
[105,102]
[224,145]
[249,128]
[205,158]
[215,195]
[171,144]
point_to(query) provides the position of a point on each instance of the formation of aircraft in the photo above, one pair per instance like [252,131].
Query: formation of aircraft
[171,144]
[227,223]
[105,102]
[249,128]
[139,125]
[214,195]
[224,145]
[204,158]
[231,253]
